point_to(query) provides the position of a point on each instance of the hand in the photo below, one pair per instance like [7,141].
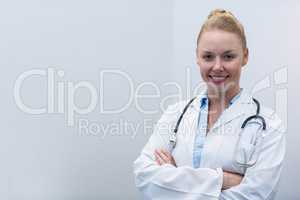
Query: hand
[231,179]
[164,157]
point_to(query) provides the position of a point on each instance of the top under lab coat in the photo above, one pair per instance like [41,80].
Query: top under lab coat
[219,154]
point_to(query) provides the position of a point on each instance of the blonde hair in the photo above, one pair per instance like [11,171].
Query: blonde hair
[223,20]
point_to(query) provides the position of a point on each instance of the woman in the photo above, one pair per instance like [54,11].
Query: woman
[214,158]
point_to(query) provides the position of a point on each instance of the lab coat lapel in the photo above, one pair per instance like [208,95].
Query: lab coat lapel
[190,123]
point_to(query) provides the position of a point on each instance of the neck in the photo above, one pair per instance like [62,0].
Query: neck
[222,96]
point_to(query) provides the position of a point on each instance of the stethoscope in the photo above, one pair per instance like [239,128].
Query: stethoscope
[242,159]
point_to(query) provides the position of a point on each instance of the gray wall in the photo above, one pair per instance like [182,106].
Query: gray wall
[50,155]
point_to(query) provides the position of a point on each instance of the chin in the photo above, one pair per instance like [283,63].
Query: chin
[220,87]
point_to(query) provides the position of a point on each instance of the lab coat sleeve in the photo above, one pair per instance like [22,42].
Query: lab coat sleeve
[170,182]
[260,181]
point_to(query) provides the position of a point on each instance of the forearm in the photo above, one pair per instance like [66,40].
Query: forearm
[201,182]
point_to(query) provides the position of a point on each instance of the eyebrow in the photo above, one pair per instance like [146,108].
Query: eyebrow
[228,51]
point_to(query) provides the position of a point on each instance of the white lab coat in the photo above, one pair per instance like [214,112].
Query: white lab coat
[184,182]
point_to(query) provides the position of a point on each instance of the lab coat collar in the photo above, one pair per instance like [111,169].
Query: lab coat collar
[238,108]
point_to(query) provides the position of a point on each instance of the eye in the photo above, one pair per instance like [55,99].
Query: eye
[208,57]
[229,57]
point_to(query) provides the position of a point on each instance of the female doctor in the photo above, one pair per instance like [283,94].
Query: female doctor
[226,146]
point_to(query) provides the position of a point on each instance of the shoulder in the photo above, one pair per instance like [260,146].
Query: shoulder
[170,115]
[179,106]
[273,121]
[173,111]
[271,117]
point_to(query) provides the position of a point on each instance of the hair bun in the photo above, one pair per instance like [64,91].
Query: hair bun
[219,12]
[220,19]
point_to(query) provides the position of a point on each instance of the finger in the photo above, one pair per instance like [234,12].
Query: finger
[157,153]
[157,159]
[166,153]
[170,157]
[160,159]
[164,157]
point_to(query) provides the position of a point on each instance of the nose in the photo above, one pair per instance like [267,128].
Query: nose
[218,65]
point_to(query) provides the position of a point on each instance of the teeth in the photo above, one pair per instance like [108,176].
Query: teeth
[218,78]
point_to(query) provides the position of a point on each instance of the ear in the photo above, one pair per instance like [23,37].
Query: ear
[197,58]
[245,57]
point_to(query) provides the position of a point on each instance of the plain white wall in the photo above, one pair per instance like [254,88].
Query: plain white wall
[150,41]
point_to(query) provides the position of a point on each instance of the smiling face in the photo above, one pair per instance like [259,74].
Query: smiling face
[220,56]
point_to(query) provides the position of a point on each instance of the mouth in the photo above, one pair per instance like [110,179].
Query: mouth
[218,79]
